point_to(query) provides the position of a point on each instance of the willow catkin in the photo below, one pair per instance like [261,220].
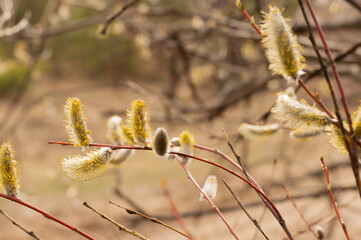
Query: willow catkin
[160,142]
[138,122]
[8,170]
[186,141]
[296,114]
[209,188]
[249,131]
[84,168]
[75,123]
[282,48]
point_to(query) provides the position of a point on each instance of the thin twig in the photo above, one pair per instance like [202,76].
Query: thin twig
[47,215]
[174,209]
[330,192]
[299,211]
[30,233]
[215,208]
[114,16]
[152,219]
[120,226]
[245,210]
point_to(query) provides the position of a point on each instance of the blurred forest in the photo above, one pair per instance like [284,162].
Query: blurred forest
[199,65]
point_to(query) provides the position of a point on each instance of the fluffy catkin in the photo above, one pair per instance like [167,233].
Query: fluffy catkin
[209,188]
[8,170]
[84,168]
[296,114]
[138,122]
[120,155]
[75,123]
[114,130]
[161,142]
[186,141]
[282,48]
[249,131]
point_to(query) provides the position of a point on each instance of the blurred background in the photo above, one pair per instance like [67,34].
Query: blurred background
[199,65]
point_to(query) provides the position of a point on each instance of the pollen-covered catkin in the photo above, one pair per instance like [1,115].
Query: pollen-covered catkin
[282,48]
[138,122]
[296,114]
[356,122]
[84,168]
[75,123]
[209,188]
[336,139]
[161,142]
[8,170]
[186,141]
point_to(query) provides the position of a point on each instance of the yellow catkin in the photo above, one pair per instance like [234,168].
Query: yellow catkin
[138,122]
[282,48]
[186,141]
[75,123]
[128,136]
[84,168]
[336,139]
[356,122]
[8,170]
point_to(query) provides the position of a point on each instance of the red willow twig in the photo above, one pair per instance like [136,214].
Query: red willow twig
[330,192]
[299,212]
[215,208]
[175,212]
[253,185]
[47,215]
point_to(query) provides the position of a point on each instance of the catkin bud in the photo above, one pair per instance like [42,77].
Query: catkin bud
[320,232]
[138,122]
[209,188]
[114,129]
[75,123]
[8,170]
[120,155]
[260,132]
[298,114]
[282,48]
[186,141]
[161,142]
[84,168]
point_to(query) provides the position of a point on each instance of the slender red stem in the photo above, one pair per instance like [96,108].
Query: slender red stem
[299,212]
[174,209]
[47,215]
[215,208]
[330,192]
